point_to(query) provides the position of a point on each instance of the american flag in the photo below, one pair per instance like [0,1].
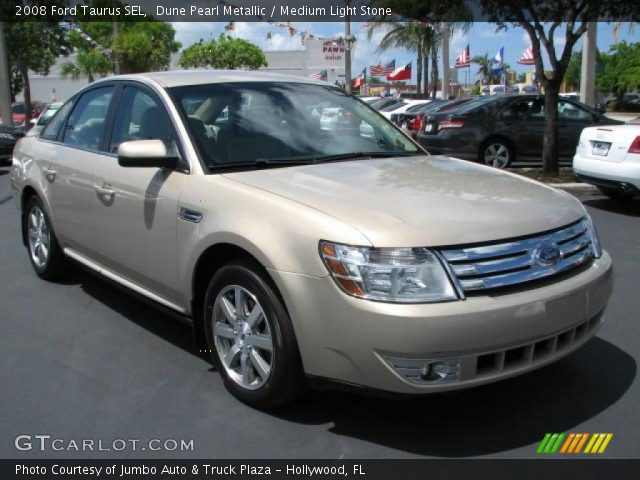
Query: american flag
[527,57]
[463,60]
[382,71]
[322,75]
[508,88]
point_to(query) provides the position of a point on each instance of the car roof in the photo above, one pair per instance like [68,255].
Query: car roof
[178,78]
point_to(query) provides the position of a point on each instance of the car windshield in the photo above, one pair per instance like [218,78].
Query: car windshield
[255,124]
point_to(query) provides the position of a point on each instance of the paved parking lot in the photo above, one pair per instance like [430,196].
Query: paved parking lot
[84,360]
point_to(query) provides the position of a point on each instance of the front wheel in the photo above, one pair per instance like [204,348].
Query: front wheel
[251,337]
[496,153]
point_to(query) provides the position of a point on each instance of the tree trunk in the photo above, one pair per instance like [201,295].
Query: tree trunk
[91,79]
[419,73]
[24,73]
[425,61]
[550,143]
[434,71]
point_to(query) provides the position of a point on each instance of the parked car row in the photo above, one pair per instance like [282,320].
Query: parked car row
[501,129]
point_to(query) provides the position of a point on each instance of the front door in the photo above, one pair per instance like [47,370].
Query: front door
[136,209]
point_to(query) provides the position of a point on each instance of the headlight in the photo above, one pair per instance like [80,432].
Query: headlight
[398,275]
[593,234]
[7,136]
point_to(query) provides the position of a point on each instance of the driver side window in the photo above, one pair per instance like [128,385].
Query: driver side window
[86,124]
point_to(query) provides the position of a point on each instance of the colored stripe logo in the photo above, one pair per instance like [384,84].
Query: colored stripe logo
[574,443]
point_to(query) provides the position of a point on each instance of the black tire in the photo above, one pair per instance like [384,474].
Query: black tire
[286,380]
[55,264]
[493,146]
[616,195]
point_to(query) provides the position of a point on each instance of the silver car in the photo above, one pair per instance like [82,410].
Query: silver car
[306,256]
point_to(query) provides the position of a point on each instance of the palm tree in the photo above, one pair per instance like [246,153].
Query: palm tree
[90,63]
[485,68]
[411,36]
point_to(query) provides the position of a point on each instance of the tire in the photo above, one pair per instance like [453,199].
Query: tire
[45,253]
[616,195]
[496,152]
[258,356]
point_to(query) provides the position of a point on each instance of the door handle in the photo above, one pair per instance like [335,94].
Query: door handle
[106,192]
[49,173]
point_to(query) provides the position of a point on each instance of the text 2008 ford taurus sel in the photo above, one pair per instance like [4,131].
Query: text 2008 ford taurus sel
[302,253]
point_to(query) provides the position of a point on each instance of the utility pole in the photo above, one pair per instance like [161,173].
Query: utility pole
[5,82]
[588,71]
[347,54]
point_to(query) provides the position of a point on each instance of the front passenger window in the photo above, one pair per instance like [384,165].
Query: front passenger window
[86,124]
[141,117]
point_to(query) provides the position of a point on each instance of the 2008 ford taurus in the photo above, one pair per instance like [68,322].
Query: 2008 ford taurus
[305,255]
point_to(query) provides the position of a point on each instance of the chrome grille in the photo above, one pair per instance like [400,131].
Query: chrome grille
[511,263]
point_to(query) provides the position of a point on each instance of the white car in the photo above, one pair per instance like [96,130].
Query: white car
[402,107]
[609,158]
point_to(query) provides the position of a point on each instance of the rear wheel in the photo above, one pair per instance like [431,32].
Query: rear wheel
[617,195]
[496,153]
[45,253]
[251,337]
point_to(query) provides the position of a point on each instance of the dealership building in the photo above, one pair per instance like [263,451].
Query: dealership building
[317,56]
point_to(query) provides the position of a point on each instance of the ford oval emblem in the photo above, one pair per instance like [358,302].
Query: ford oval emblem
[547,255]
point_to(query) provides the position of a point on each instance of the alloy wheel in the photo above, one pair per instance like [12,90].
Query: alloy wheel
[39,237]
[497,155]
[242,337]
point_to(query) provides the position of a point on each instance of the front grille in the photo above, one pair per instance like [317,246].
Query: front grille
[520,261]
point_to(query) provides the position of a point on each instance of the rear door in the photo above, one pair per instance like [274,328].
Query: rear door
[522,121]
[69,147]
[136,209]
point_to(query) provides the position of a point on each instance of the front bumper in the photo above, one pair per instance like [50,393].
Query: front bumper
[608,174]
[493,337]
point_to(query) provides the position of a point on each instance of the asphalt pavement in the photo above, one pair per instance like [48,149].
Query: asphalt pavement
[82,359]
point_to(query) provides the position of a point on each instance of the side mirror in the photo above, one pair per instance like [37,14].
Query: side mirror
[600,108]
[145,153]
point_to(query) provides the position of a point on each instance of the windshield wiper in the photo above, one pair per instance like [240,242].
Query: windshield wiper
[360,155]
[259,163]
[262,163]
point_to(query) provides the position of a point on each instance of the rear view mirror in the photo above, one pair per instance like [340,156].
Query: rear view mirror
[145,153]
[600,108]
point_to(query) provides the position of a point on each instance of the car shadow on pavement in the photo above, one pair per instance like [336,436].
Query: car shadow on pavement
[136,309]
[490,419]
[630,208]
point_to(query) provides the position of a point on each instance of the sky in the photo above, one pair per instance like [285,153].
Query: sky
[482,38]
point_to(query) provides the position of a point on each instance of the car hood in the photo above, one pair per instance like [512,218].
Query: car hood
[421,201]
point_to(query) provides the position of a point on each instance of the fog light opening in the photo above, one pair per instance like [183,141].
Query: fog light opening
[434,371]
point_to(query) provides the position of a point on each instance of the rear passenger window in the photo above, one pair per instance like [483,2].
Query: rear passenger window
[86,124]
[52,129]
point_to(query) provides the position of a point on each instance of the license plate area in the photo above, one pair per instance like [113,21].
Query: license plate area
[601,148]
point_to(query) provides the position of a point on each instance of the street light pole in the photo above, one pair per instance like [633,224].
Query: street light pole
[5,82]
[347,54]
[116,60]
